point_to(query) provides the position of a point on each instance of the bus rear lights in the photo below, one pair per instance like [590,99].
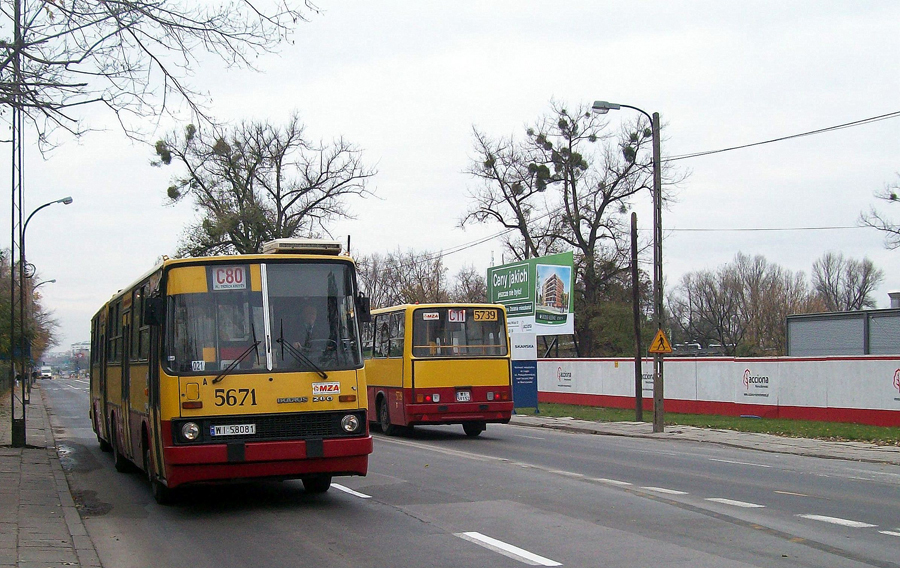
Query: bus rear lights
[490,395]
[347,398]
[190,431]
[192,404]
[350,423]
[435,397]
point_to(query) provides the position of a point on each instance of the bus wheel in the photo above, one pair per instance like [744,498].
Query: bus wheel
[121,464]
[318,484]
[473,429]
[384,418]
[161,494]
[104,445]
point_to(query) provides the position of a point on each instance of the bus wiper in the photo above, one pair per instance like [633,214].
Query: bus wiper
[299,355]
[238,361]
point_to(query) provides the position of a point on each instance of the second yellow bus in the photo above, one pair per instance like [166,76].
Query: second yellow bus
[438,364]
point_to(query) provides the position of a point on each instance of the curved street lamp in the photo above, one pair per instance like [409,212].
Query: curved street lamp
[18,425]
[603,107]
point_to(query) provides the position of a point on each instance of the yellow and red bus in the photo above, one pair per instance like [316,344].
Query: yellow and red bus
[438,364]
[202,370]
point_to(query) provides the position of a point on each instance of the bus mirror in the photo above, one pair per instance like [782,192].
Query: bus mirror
[154,308]
[364,308]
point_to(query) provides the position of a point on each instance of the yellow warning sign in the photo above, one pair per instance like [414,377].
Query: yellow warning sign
[660,343]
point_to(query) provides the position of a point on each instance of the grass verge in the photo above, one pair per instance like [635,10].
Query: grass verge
[841,431]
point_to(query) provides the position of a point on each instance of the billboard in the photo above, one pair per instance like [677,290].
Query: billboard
[537,294]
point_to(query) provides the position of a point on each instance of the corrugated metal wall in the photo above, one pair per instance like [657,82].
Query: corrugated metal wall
[870,332]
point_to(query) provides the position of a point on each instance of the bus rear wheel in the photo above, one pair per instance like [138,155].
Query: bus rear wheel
[384,418]
[318,484]
[473,429]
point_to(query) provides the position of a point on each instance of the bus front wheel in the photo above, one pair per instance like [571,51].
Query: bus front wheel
[473,429]
[161,494]
[384,418]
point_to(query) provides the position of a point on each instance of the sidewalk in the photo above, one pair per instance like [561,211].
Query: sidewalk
[854,451]
[39,525]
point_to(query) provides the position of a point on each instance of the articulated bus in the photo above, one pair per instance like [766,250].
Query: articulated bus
[438,364]
[204,370]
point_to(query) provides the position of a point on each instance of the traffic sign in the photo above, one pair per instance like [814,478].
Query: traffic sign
[660,344]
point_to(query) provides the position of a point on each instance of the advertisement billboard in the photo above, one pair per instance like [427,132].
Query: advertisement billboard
[537,294]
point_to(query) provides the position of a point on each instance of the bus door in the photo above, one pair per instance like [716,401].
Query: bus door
[384,371]
[128,450]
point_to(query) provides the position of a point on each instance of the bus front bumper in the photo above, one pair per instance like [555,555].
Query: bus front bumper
[255,460]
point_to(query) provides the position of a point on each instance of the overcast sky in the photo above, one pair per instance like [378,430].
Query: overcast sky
[407,80]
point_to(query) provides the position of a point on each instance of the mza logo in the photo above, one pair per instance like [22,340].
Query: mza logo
[326,388]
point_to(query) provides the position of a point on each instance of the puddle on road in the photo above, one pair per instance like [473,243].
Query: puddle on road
[76,458]
[88,505]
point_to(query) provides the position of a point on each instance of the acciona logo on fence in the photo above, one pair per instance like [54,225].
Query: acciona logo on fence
[758,382]
[897,380]
[563,378]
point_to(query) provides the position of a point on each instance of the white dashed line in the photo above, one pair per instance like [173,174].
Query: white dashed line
[610,481]
[664,490]
[507,550]
[350,491]
[739,463]
[736,503]
[837,521]
[891,533]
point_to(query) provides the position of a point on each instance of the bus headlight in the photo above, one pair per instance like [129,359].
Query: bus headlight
[350,423]
[190,431]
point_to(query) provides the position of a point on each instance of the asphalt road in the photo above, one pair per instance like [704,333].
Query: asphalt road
[514,496]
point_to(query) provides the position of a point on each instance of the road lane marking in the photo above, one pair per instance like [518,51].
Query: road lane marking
[610,481]
[735,503]
[529,437]
[791,493]
[664,490]
[507,550]
[838,521]
[566,473]
[891,533]
[350,491]
[739,463]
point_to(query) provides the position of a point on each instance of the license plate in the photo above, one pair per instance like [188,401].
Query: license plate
[463,396]
[233,430]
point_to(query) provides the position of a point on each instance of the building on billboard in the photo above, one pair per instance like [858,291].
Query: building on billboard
[553,293]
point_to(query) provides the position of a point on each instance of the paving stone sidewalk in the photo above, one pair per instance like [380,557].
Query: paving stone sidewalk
[856,451]
[39,524]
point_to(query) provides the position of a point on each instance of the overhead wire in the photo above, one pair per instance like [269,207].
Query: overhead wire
[861,122]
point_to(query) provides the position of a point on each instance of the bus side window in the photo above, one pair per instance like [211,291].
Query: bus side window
[397,330]
[368,339]
[382,335]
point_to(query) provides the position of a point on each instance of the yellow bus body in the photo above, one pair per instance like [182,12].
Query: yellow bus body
[255,416]
[466,383]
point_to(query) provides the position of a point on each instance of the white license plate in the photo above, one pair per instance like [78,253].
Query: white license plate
[463,396]
[232,430]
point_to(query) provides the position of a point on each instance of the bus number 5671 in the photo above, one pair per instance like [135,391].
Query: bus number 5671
[235,397]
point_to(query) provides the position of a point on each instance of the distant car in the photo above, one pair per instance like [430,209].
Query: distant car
[46,372]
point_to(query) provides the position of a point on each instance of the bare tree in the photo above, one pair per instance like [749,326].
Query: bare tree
[742,306]
[564,186]
[131,56]
[845,284]
[878,220]
[258,182]
[470,286]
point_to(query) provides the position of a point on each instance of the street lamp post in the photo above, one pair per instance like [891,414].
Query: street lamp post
[602,107]
[18,425]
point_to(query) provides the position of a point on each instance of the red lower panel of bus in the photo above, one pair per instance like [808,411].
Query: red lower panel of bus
[210,462]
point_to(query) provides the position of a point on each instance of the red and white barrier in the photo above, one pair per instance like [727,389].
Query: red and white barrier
[864,390]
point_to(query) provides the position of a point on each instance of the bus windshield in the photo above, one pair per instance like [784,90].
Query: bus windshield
[459,332]
[299,318]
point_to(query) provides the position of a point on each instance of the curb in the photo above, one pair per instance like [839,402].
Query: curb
[84,546]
